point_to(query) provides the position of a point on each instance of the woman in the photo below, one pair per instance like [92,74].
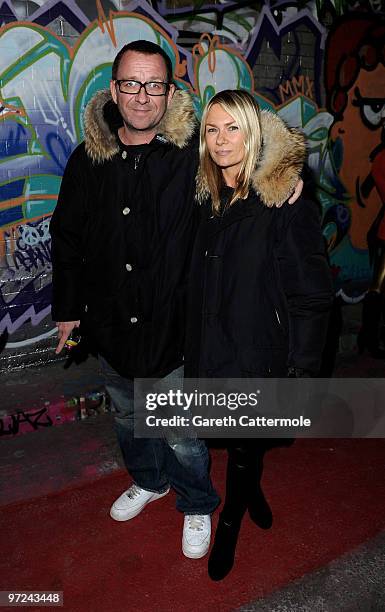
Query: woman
[260,288]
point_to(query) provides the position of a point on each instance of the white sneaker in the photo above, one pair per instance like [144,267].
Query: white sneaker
[196,535]
[132,502]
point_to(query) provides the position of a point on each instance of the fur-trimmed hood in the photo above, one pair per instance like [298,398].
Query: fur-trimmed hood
[281,161]
[101,143]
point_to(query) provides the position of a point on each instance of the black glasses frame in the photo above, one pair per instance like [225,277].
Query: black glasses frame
[119,81]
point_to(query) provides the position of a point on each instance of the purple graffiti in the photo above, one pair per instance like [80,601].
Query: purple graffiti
[28,305]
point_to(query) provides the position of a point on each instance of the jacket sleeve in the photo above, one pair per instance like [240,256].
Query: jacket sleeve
[68,229]
[307,283]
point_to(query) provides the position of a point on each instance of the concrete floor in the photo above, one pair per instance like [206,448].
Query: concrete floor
[31,466]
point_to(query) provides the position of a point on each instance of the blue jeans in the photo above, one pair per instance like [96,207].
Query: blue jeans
[155,464]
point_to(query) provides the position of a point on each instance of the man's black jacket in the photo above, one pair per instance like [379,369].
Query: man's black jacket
[121,239]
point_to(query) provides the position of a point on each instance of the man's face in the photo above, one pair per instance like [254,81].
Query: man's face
[141,112]
[361,132]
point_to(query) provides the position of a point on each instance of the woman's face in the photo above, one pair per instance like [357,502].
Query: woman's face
[225,140]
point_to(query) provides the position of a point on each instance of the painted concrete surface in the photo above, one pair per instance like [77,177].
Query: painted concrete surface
[57,458]
[49,395]
[54,458]
[353,583]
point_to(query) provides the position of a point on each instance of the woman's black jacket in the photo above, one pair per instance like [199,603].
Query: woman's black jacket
[260,288]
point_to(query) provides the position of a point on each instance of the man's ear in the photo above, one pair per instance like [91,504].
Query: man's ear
[171,91]
[113,91]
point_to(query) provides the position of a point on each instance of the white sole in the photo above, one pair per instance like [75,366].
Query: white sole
[193,554]
[135,513]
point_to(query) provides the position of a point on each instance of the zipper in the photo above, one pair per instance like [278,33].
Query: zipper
[280,324]
[278,319]
[136,161]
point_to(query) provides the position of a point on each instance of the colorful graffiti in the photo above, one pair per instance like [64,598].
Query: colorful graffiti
[355,90]
[53,413]
[53,60]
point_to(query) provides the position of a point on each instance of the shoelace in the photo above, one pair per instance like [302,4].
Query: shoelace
[195,522]
[133,491]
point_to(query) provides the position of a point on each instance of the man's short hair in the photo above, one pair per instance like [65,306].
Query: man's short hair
[148,48]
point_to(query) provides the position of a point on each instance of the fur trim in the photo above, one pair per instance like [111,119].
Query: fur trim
[282,157]
[101,144]
[179,122]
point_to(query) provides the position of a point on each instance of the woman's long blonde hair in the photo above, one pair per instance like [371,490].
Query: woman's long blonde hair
[245,111]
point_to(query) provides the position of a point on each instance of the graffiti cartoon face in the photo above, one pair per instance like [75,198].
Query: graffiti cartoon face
[361,132]
[141,112]
[225,142]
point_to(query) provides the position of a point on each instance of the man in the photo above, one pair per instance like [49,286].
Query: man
[121,237]
[122,234]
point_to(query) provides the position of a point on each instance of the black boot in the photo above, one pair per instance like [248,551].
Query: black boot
[221,558]
[222,554]
[369,335]
[259,509]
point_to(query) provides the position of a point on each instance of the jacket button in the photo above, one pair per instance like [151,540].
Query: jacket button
[134,320]
[86,308]
[124,154]
[128,267]
[126,211]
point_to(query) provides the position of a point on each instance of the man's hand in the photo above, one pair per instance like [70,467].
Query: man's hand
[64,330]
[297,192]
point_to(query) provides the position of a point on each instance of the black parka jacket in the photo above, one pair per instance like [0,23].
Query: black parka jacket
[260,287]
[121,239]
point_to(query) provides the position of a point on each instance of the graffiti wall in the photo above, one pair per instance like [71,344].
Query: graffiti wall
[319,65]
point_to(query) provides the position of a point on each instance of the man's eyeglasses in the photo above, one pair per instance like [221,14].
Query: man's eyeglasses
[152,88]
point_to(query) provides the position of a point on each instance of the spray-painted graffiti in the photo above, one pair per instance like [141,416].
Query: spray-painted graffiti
[276,51]
[32,250]
[54,413]
[355,89]
[302,85]
[12,425]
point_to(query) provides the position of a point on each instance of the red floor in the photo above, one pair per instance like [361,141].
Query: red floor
[327,496]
